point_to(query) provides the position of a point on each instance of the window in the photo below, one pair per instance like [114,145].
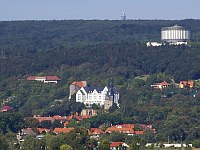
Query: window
[89,96]
[95,96]
[79,97]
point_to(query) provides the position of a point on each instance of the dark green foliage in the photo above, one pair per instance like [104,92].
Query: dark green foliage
[196,143]
[3,144]
[50,46]
[10,122]
[78,139]
[32,143]
[104,145]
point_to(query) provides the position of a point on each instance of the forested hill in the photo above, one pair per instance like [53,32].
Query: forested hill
[77,50]
[32,47]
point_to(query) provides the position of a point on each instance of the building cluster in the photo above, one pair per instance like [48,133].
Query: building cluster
[127,129]
[181,85]
[101,96]
[85,114]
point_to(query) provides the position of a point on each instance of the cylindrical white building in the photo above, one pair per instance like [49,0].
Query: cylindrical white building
[175,34]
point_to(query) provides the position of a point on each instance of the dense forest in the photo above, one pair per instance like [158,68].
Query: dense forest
[90,50]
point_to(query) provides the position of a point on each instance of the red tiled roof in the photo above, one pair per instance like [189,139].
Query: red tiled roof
[57,117]
[85,117]
[31,78]
[62,130]
[121,130]
[190,83]
[116,144]
[52,78]
[48,78]
[40,119]
[96,131]
[164,83]
[139,132]
[78,83]
[127,125]
[43,130]
[6,108]
[78,118]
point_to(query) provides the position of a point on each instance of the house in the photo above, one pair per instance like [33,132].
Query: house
[184,84]
[118,145]
[6,108]
[120,129]
[45,79]
[161,85]
[43,130]
[96,95]
[126,126]
[75,86]
[129,129]
[62,130]
[40,119]
[52,119]
[60,118]
[95,133]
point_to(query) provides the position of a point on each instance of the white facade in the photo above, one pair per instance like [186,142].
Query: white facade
[93,96]
[175,34]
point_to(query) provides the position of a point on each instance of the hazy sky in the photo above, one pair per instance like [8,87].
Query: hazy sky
[98,9]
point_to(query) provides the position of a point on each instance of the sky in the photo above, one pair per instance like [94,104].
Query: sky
[98,9]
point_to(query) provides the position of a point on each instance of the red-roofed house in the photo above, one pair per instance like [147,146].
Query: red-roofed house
[42,130]
[61,118]
[51,79]
[96,131]
[62,130]
[127,126]
[124,130]
[184,84]
[45,79]
[40,119]
[6,108]
[75,86]
[118,145]
[161,85]
[31,78]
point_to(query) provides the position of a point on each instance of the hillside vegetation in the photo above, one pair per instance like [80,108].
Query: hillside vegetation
[90,50]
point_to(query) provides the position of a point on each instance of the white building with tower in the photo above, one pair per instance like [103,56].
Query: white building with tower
[98,95]
[175,35]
